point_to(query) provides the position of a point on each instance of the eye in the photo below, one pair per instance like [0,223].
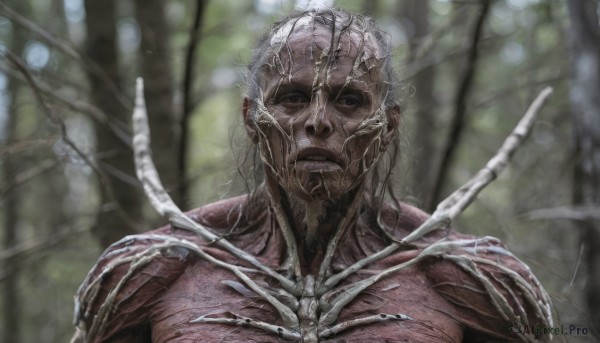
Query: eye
[293,100]
[349,101]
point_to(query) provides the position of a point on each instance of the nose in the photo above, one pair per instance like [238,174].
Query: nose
[319,123]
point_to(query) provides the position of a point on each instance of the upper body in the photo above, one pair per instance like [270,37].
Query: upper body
[158,301]
[323,113]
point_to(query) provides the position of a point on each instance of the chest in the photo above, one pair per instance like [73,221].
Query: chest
[209,304]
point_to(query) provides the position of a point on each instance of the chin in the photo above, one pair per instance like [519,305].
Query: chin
[319,189]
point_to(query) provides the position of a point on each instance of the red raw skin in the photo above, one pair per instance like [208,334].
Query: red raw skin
[159,301]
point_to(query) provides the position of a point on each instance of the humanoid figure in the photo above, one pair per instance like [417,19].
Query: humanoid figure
[306,256]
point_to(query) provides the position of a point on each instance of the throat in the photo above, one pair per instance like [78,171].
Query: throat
[315,224]
[313,210]
[316,236]
[312,228]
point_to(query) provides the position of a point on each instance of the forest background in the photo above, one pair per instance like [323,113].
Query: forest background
[470,68]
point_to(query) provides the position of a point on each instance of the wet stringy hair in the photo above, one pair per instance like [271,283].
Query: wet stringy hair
[378,186]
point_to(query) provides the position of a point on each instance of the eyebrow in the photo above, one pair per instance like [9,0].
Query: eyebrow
[337,87]
[352,85]
[286,86]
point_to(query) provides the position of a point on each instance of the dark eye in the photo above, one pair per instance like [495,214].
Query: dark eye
[349,101]
[293,100]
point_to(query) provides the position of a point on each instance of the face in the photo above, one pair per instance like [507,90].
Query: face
[320,123]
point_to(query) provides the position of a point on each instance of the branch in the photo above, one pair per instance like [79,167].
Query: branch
[19,251]
[458,120]
[565,212]
[245,321]
[162,202]
[377,318]
[80,106]
[427,43]
[458,201]
[55,120]
[28,175]
[67,48]
[443,249]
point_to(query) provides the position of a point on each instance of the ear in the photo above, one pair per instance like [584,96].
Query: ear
[249,123]
[393,123]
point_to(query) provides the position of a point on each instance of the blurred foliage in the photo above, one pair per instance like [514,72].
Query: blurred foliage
[523,50]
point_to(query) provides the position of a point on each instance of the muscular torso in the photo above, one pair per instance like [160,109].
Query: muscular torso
[201,290]
[161,298]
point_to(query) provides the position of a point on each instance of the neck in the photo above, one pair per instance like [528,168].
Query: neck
[315,225]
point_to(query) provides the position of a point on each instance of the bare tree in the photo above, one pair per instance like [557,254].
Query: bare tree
[585,87]
[156,69]
[418,13]
[188,95]
[114,155]
[458,121]
[11,300]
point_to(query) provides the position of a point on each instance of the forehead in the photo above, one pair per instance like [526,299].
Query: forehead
[348,32]
[343,46]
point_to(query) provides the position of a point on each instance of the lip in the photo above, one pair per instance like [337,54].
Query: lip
[319,155]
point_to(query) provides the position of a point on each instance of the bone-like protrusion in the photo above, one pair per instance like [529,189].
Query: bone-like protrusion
[346,297]
[467,263]
[245,321]
[325,267]
[349,324]
[444,214]
[458,201]
[160,199]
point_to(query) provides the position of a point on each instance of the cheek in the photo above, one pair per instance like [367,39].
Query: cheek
[272,147]
[363,152]
[274,138]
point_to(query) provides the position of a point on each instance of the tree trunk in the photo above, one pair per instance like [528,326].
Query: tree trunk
[459,117]
[585,102]
[424,146]
[158,87]
[111,223]
[10,312]
[188,96]
[11,303]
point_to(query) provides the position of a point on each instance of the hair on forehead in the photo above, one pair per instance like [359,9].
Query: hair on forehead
[338,21]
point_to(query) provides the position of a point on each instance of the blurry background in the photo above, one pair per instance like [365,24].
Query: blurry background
[470,69]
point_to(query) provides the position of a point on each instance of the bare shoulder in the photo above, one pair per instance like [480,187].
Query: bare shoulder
[114,301]
[492,291]
[115,298]
[222,214]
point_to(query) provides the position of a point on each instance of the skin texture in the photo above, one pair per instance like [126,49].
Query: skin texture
[165,296]
[321,124]
[315,109]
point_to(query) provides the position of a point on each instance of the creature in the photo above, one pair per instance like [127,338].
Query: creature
[321,249]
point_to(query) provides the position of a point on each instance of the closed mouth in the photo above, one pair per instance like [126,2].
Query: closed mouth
[317,155]
[315,158]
